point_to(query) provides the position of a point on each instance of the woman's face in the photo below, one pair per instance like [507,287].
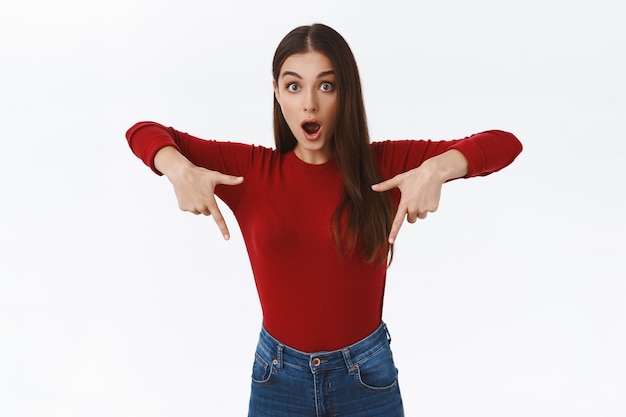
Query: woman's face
[307,95]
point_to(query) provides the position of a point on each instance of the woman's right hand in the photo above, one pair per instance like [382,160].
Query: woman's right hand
[194,186]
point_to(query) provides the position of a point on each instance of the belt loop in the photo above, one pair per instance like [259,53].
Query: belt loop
[279,355]
[346,357]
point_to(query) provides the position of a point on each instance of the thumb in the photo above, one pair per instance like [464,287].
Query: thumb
[386,185]
[229,179]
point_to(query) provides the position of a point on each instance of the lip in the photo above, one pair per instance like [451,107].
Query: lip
[315,136]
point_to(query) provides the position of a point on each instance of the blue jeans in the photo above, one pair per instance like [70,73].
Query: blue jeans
[359,380]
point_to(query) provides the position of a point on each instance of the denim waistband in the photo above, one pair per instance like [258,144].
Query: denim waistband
[348,357]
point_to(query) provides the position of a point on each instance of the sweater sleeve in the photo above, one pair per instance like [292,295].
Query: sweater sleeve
[489,151]
[147,138]
[486,152]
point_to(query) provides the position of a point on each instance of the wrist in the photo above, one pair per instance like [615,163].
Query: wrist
[448,166]
[170,162]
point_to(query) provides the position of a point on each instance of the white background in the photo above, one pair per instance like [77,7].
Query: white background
[509,301]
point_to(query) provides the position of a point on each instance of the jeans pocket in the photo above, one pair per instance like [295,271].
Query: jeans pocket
[378,372]
[262,370]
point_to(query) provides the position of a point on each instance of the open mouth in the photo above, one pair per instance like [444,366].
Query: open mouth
[311,128]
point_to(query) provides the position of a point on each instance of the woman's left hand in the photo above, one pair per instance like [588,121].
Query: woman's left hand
[420,188]
[420,193]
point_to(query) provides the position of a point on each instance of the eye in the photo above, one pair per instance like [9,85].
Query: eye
[293,87]
[326,86]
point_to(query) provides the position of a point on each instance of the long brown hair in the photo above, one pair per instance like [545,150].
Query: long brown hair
[369,214]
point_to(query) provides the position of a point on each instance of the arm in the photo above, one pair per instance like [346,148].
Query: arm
[420,187]
[159,147]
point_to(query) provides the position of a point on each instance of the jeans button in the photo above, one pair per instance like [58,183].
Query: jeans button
[316,362]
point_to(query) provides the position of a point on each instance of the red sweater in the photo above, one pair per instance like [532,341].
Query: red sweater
[312,298]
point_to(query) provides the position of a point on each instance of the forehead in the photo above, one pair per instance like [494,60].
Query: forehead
[308,63]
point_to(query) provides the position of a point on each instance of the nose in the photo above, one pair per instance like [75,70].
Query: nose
[310,102]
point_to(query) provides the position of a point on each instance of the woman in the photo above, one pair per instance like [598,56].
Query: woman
[319,224]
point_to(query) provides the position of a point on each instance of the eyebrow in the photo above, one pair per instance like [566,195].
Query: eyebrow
[295,74]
